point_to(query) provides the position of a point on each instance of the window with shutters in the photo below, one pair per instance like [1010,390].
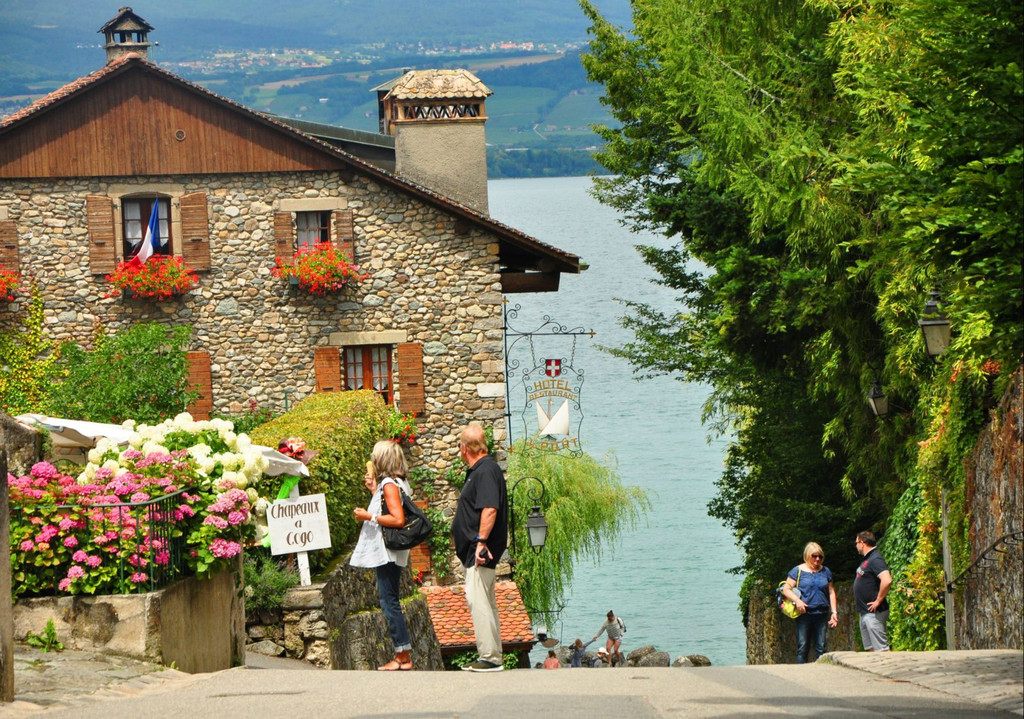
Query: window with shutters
[135,216]
[369,367]
[298,228]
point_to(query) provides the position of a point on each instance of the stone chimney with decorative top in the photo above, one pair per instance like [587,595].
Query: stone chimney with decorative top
[126,33]
[437,119]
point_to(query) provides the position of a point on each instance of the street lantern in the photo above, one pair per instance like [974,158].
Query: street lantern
[935,327]
[536,529]
[536,525]
[877,399]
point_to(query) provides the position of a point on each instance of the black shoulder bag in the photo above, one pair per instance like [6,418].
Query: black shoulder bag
[417,529]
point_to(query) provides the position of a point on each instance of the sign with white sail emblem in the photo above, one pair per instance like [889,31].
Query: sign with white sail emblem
[553,394]
[551,416]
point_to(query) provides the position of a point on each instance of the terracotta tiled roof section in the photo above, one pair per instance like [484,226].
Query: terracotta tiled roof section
[454,626]
[565,261]
[438,84]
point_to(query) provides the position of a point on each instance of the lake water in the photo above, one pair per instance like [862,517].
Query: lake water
[667,578]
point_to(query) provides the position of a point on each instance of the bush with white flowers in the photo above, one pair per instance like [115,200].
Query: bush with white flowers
[67,537]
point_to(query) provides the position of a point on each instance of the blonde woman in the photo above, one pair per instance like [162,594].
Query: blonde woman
[810,587]
[385,478]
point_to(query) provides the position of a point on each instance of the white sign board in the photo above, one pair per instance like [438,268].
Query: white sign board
[298,524]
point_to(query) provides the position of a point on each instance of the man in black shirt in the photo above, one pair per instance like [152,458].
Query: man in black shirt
[869,589]
[480,531]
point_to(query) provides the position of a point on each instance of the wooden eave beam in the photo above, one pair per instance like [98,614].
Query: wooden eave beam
[519,282]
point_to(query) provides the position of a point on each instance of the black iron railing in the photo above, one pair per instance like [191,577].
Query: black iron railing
[150,537]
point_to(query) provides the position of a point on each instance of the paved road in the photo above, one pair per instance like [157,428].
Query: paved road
[882,686]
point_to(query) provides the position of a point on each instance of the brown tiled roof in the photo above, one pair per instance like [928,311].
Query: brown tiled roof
[454,626]
[438,84]
[566,261]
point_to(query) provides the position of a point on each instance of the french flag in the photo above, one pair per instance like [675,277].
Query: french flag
[152,239]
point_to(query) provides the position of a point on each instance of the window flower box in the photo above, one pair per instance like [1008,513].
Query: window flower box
[159,278]
[319,269]
[9,280]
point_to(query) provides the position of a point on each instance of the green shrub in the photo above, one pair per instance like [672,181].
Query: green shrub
[342,428]
[267,580]
[140,373]
[440,542]
[509,660]
[30,362]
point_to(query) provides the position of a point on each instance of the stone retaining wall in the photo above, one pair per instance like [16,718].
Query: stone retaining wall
[771,636]
[338,624]
[195,624]
[987,610]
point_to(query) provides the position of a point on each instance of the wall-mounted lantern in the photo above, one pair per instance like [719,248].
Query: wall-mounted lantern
[935,327]
[877,400]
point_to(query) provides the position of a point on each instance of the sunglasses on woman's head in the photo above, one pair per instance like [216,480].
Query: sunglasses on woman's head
[817,556]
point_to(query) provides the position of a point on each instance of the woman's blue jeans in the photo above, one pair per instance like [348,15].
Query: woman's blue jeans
[810,628]
[387,587]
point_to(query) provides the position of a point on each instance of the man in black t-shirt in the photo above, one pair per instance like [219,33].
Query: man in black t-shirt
[869,590]
[480,531]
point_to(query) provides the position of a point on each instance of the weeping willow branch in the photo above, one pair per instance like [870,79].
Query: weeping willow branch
[586,507]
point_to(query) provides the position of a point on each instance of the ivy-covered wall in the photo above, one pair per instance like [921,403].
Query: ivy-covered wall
[989,610]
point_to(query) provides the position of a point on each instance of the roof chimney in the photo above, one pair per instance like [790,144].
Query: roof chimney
[437,118]
[126,33]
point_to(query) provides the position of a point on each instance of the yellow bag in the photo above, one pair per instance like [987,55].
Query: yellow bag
[786,605]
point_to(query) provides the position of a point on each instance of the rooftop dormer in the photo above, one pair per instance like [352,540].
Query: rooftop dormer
[126,33]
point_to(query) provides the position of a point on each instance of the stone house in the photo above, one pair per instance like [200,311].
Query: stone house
[235,189]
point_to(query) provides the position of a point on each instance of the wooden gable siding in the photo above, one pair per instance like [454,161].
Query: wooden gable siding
[129,126]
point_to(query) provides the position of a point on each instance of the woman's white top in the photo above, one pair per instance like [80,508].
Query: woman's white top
[370,551]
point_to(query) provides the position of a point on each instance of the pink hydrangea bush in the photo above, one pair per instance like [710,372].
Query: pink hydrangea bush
[73,536]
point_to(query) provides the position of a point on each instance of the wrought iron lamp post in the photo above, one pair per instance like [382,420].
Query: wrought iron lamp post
[536,525]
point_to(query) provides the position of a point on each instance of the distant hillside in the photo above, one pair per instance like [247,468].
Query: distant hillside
[52,38]
[539,116]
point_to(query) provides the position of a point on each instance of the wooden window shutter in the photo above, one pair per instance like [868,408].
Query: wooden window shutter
[284,237]
[195,231]
[345,233]
[99,216]
[9,245]
[410,378]
[327,366]
[198,364]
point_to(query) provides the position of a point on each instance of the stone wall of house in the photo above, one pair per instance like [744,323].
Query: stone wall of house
[987,610]
[432,278]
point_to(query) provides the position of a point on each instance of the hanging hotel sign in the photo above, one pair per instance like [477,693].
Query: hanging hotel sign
[551,414]
[553,401]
